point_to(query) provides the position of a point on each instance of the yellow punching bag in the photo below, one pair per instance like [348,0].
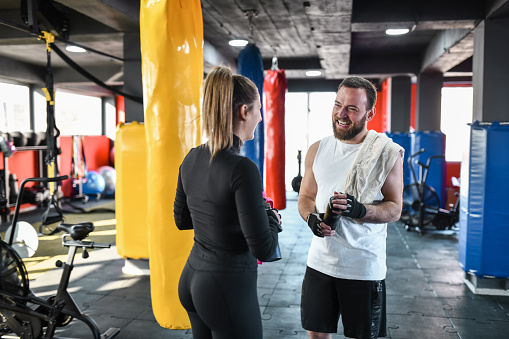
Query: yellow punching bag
[171,33]
[131,191]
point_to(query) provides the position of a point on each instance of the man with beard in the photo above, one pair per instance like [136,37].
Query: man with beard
[360,174]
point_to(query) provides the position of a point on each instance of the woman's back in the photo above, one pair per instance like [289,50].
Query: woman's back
[225,200]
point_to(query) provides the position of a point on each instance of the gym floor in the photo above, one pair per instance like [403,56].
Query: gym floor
[426,294]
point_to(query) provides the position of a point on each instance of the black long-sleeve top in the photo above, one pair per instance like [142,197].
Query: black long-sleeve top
[222,201]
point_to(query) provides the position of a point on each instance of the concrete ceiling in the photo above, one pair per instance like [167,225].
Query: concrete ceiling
[338,37]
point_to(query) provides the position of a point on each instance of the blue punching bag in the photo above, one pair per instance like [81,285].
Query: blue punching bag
[250,65]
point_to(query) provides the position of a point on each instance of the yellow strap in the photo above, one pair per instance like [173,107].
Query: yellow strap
[48,97]
[51,174]
[49,37]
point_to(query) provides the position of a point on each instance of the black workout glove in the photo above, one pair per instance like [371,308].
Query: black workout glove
[354,209]
[314,220]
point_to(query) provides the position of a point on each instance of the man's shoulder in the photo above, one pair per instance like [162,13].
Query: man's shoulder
[374,134]
[324,141]
[385,139]
[315,145]
[328,138]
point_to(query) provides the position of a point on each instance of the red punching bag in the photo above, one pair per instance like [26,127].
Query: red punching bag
[274,87]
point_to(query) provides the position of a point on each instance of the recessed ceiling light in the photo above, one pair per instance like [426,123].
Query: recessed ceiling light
[313,73]
[75,49]
[397,31]
[238,42]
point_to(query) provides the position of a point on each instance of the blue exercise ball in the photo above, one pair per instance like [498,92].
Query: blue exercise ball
[110,178]
[94,183]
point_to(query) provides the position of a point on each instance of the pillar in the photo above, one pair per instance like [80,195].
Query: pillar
[400,104]
[132,77]
[491,71]
[429,101]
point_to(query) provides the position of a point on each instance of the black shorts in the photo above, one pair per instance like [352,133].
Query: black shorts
[360,303]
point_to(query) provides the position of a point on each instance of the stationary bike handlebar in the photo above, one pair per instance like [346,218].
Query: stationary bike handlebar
[426,166]
[422,150]
[20,197]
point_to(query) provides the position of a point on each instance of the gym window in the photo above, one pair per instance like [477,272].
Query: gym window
[307,120]
[14,108]
[77,114]
[457,112]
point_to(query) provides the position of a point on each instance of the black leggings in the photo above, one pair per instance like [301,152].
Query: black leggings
[221,305]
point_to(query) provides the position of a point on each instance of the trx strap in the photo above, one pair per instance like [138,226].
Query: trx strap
[52,133]
[48,219]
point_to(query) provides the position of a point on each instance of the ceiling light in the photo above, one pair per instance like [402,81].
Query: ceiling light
[238,42]
[397,31]
[75,49]
[313,73]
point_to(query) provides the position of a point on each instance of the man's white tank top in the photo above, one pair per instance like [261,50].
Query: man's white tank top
[356,252]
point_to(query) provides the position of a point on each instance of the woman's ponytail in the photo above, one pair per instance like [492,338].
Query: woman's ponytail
[217,109]
[223,95]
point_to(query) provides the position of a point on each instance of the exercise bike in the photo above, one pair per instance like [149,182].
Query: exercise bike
[26,316]
[421,204]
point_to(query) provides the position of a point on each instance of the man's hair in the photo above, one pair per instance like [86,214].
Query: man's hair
[358,82]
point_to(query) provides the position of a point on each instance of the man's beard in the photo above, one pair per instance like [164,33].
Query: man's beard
[351,132]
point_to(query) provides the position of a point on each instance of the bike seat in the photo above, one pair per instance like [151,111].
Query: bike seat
[77,231]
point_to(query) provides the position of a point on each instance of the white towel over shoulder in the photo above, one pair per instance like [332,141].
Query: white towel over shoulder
[373,163]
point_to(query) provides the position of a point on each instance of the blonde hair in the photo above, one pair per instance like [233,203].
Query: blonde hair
[224,94]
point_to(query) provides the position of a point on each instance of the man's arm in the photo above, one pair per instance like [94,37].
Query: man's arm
[389,209]
[307,195]
[308,186]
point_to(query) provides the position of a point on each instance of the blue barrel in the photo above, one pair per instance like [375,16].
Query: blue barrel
[250,65]
[434,143]
[484,206]
[404,140]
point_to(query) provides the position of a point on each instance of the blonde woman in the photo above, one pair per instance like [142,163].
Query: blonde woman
[219,195]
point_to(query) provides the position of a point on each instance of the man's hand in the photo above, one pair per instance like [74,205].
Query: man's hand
[318,227]
[354,209]
[314,220]
[348,205]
